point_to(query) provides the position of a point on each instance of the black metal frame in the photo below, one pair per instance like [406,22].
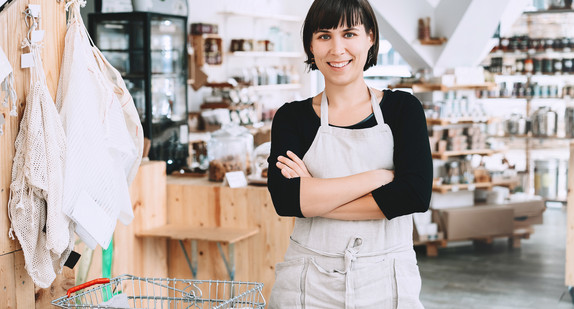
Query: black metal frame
[175,154]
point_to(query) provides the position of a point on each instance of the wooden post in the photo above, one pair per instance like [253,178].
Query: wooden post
[570,223]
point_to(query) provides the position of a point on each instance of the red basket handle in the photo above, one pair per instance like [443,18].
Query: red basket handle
[87,285]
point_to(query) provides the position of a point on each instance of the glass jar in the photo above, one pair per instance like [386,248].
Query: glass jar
[260,163]
[228,150]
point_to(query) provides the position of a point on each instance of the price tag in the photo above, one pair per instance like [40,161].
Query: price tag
[35,9]
[37,36]
[236,179]
[27,61]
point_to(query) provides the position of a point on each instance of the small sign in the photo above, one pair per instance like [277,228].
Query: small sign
[27,60]
[236,179]
[37,36]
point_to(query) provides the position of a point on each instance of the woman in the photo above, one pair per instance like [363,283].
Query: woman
[351,164]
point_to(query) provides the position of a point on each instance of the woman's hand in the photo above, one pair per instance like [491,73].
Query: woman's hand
[292,166]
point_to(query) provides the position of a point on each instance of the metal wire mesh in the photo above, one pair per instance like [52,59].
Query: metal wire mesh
[168,293]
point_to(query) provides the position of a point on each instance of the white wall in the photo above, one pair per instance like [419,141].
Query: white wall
[233,27]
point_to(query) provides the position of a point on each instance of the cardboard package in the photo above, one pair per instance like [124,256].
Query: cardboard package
[526,212]
[476,222]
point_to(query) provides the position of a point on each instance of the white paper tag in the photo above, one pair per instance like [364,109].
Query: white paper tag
[236,179]
[27,60]
[183,134]
[2,121]
[35,9]
[37,36]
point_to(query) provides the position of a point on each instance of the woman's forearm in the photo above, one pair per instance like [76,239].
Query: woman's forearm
[321,196]
[363,208]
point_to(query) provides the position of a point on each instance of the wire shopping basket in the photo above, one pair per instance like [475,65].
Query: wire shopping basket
[128,291]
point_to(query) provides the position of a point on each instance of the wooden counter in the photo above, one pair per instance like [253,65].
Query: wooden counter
[197,202]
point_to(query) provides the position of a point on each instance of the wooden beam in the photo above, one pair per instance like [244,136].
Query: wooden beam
[570,223]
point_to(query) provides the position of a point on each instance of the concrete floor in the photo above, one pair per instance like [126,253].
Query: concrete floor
[497,276]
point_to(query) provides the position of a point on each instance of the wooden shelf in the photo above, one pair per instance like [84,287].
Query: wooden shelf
[277,87]
[424,87]
[461,186]
[433,41]
[552,11]
[520,98]
[219,234]
[288,18]
[256,54]
[461,120]
[447,154]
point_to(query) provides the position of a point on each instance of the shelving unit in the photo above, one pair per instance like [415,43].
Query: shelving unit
[542,82]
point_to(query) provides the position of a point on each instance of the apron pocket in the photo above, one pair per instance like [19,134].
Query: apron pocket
[287,290]
[374,284]
[323,288]
[408,284]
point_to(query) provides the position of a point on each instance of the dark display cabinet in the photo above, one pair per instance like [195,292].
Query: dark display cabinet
[150,51]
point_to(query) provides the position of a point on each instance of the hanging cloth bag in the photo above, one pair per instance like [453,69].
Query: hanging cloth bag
[7,84]
[102,153]
[45,233]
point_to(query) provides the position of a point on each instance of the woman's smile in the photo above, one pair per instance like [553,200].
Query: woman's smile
[339,64]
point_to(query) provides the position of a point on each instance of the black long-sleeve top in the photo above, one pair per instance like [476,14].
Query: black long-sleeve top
[294,128]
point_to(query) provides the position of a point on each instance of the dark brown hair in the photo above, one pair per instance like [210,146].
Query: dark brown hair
[330,14]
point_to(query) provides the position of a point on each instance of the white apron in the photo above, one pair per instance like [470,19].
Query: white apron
[349,264]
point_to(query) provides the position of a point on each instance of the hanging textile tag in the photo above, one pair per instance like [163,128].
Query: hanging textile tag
[35,9]
[37,36]
[27,61]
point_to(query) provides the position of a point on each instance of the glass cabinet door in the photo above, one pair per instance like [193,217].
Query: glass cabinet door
[167,45]
[122,44]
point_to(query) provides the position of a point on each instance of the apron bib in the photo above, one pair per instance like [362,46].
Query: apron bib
[349,264]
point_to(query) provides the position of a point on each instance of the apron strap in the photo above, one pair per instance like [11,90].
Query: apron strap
[376,107]
[374,103]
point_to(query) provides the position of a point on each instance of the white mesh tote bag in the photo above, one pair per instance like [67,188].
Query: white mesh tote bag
[45,233]
[7,84]
[101,152]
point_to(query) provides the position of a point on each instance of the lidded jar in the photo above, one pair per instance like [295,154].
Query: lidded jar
[229,149]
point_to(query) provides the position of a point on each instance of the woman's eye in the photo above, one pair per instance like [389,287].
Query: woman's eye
[349,35]
[324,37]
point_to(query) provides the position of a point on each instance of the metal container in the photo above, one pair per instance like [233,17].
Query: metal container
[569,122]
[516,124]
[546,178]
[544,122]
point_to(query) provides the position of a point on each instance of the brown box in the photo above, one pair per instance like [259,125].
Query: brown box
[475,222]
[523,209]
[522,222]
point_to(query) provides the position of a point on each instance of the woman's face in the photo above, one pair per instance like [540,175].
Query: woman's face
[341,53]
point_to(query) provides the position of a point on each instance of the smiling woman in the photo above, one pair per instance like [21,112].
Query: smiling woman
[352,164]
